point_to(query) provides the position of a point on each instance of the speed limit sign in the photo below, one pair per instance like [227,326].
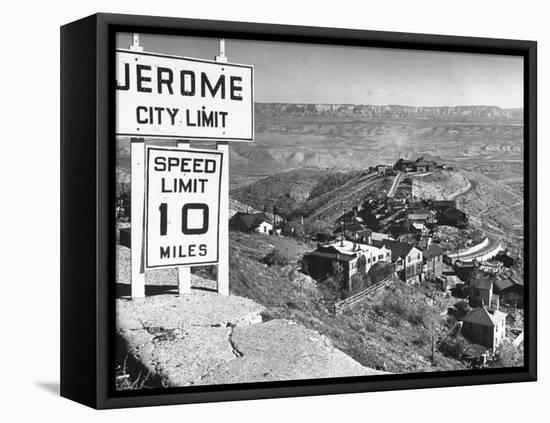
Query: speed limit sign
[182,206]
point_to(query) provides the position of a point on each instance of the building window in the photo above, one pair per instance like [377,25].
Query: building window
[408,259]
[265,228]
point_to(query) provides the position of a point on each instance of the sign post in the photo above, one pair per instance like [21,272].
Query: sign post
[184,272]
[223,264]
[137,146]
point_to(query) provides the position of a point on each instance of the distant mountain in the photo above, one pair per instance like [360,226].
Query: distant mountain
[388,111]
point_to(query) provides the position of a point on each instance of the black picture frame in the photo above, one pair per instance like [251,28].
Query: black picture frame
[87,198]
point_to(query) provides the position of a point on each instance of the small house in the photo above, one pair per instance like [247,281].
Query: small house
[251,222]
[407,259]
[433,260]
[321,262]
[510,289]
[485,326]
[403,165]
[419,219]
[421,165]
[354,231]
[382,169]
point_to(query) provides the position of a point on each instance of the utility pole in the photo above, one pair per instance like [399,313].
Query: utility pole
[433,344]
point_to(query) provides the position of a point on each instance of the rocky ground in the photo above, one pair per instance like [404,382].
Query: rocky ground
[439,185]
[204,338]
[453,239]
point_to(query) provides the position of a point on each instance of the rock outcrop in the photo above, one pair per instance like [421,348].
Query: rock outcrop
[204,338]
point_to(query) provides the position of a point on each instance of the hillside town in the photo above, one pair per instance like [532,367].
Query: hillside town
[395,236]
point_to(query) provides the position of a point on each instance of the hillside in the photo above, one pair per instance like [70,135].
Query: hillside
[394,337]
[439,185]
[320,194]
[491,204]
[291,190]
[498,207]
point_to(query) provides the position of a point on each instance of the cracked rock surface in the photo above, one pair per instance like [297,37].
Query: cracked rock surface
[205,338]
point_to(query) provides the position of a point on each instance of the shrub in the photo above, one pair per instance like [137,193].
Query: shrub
[395,322]
[508,356]
[454,346]
[358,282]
[370,327]
[332,288]
[277,258]
[420,342]
[395,307]
[362,265]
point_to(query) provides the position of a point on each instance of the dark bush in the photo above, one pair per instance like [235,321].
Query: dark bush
[277,258]
[508,356]
[358,282]
[453,346]
[395,307]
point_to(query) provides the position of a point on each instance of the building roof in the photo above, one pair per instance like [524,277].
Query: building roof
[433,250]
[453,212]
[484,316]
[349,247]
[252,220]
[424,211]
[453,280]
[398,249]
[332,256]
[424,163]
[351,227]
[379,236]
[505,283]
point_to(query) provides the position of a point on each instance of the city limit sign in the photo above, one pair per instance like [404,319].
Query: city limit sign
[182,206]
[175,97]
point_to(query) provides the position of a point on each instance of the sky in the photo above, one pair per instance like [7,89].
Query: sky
[312,73]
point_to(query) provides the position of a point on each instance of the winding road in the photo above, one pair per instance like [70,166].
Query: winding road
[494,245]
[395,184]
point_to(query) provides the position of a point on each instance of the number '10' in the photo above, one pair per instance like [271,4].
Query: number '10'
[163,208]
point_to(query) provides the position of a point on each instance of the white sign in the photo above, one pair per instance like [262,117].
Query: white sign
[182,206]
[175,97]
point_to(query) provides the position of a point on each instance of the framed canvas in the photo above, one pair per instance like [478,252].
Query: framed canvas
[257,211]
